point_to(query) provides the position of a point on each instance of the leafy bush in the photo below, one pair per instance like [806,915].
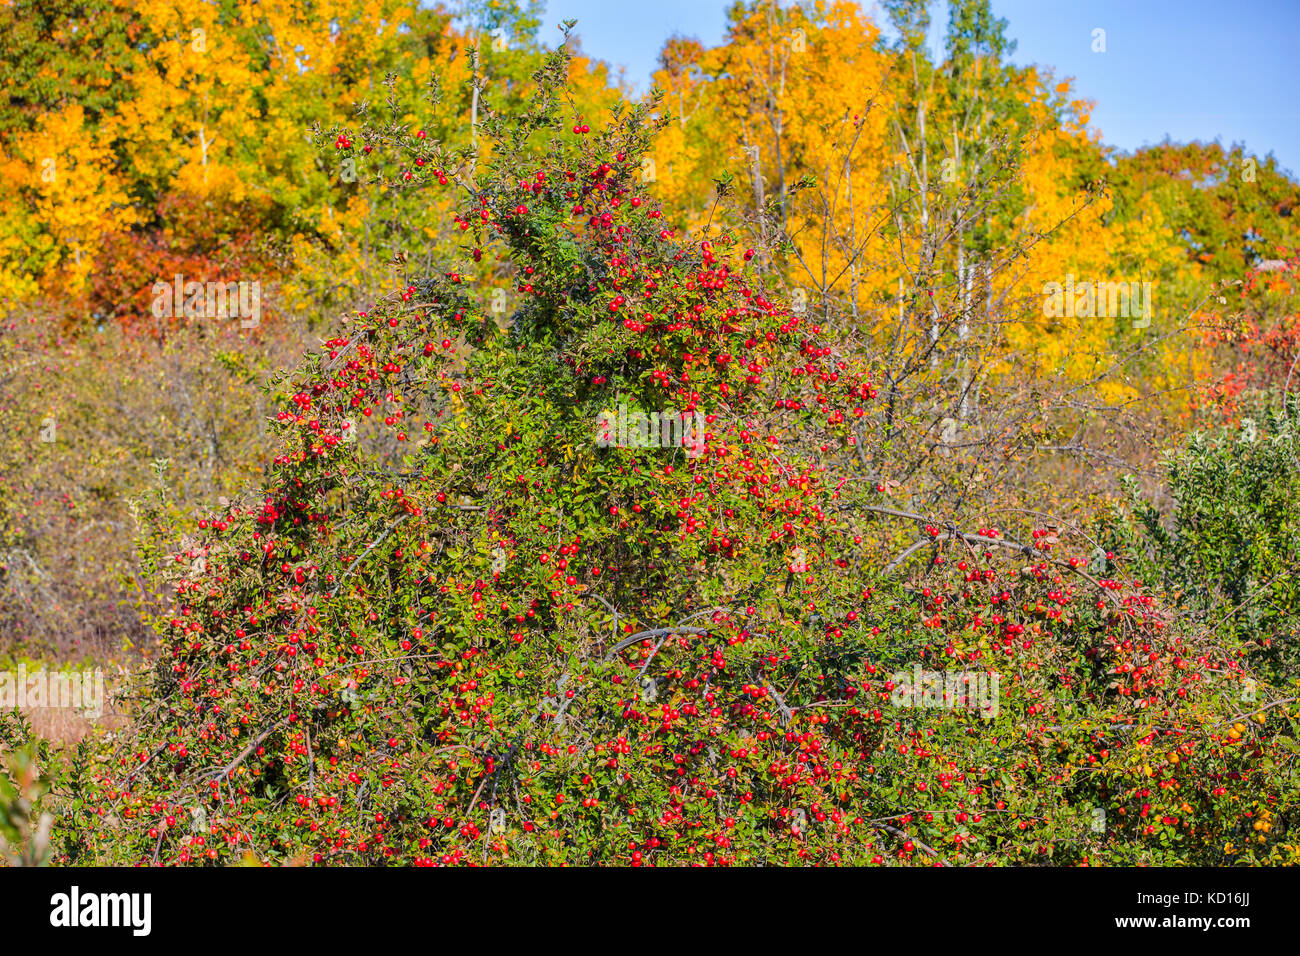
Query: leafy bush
[1226,550]
[464,621]
[24,827]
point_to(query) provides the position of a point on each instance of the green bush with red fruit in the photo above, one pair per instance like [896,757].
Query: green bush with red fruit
[453,628]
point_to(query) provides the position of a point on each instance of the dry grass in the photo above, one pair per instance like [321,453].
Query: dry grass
[68,724]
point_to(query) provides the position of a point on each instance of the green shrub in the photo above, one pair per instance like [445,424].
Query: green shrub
[457,623]
[1226,549]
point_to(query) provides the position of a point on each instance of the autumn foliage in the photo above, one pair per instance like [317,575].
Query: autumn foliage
[395,596]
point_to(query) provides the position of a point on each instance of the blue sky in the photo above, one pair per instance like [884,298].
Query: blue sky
[1194,69]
